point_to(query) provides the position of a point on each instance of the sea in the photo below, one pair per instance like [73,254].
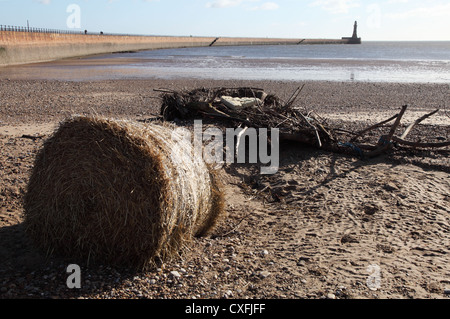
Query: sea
[400,62]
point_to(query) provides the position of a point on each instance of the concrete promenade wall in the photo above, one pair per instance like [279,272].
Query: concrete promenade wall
[28,47]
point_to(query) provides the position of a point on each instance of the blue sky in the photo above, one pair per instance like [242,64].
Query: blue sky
[378,20]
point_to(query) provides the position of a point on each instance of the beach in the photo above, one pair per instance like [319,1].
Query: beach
[325,226]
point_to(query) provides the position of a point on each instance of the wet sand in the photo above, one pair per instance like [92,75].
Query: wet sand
[325,226]
[131,66]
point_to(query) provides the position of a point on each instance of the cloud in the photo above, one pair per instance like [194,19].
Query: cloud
[266,6]
[46,2]
[231,3]
[336,6]
[223,3]
[396,1]
[442,10]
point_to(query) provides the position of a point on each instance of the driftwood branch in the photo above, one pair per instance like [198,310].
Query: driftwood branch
[397,123]
[316,132]
[419,144]
[361,133]
[385,141]
[410,127]
[270,112]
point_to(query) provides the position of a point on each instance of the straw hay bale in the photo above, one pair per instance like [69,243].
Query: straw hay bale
[119,192]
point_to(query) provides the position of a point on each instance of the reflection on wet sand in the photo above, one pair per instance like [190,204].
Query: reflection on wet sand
[140,66]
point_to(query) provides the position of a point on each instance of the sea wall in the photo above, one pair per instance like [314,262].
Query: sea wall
[275,41]
[30,47]
[227,41]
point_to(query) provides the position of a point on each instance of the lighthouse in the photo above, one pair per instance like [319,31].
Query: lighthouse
[355,30]
[354,39]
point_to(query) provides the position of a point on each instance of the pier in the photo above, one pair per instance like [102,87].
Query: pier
[23,45]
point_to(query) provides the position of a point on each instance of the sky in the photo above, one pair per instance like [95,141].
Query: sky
[383,20]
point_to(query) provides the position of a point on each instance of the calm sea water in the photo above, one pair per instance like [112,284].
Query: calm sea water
[409,62]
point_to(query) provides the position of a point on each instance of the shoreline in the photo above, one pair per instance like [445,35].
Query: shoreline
[115,67]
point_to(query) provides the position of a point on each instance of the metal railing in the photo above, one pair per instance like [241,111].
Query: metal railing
[56,31]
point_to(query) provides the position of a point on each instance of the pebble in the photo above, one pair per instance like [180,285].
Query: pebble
[264,274]
[175,274]
[230,249]
[301,263]
[447,291]
[331,296]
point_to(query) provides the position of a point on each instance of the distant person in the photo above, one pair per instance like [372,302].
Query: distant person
[101,32]
[85,31]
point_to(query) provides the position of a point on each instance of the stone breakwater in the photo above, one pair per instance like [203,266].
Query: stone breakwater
[32,47]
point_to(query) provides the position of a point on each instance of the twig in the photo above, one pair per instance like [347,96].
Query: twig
[293,97]
[228,117]
[344,131]
[164,90]
[410,127]
[233,228]
[325,131]
[33,137]
[419,144]
[284,121]
[387,139]
[359,134]
[319,142]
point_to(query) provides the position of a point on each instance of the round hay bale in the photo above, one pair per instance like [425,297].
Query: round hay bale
[119,192]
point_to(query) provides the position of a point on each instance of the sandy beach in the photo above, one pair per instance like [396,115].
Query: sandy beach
[325,226]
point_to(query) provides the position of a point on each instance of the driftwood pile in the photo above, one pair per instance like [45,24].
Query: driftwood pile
[252,107]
